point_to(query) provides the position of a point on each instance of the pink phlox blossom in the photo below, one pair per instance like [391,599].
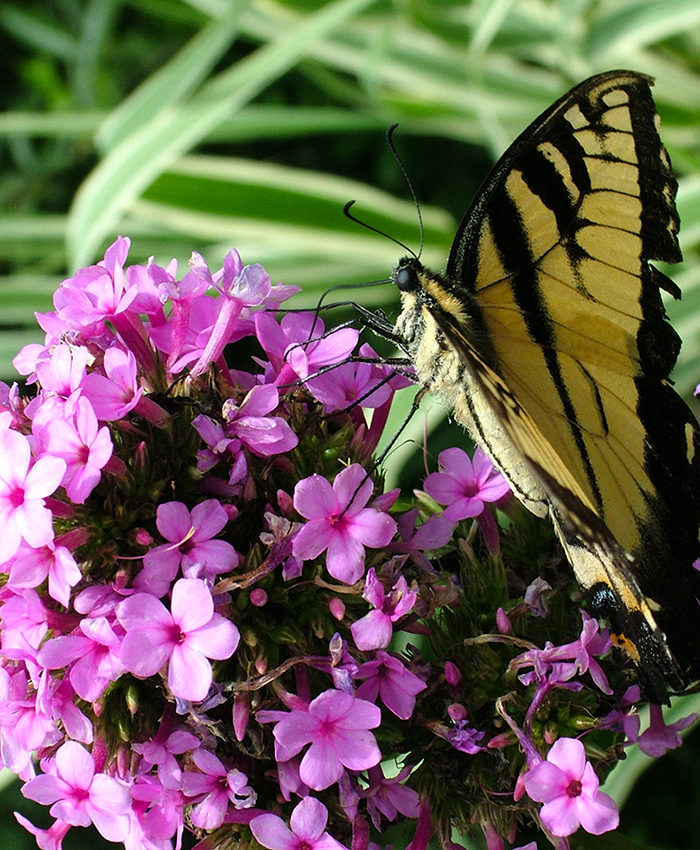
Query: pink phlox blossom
[535,597]
[339,522]
[161,750]
[99,600]
[115,393]
[184,638]
[149,300]
[186,334]
[289,780]
[215,788]
[24,727]
[157,815]
[56,699]
[196,282]
[575,658]
[79,795]
[306,830]
[92,657]
[353,383]
[557,666]
[190,546]
[46,839]
[31,567]
[95,294]
[279,541]
[390,797]
[343,666]
[24,618]
[12,407]
[60,371]
[432,534]
[337,726]
[462,735]
[388,677]
[624,718]
[171,336]
[216,440]
[374,630]
[23,488]
[239,286]
[260,433]
[568,786]
[466,485]
[658,737]
[298,346]
[83,446]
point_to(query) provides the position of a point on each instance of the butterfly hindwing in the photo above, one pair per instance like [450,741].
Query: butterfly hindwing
[548,335]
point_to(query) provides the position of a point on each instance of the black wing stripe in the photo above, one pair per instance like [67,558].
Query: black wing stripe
[512,243]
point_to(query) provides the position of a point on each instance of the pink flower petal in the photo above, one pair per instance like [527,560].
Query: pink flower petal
[320,766]
[599,815]
[312,539]
[372,528]
[75,765]
[208,518]
[272,832]
[345,559]
[545,781]
[314,498]
[191,604]
[173,520]
[308,820]
[143,609]
[353,488]
[373,631]
[569,755]
[218,639]
[189,674]
[142,656]
[560,815]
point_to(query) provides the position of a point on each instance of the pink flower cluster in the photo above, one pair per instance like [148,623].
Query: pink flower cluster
[202,592]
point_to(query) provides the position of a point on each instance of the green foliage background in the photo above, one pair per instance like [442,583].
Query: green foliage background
[209,124]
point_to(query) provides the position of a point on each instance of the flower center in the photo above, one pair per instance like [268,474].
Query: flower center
[16,497]
[574,788]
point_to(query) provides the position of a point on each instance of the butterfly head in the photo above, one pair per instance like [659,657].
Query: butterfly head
[407,274]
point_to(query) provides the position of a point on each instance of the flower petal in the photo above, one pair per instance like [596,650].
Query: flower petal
[272,832]
[309,819]
[314,498]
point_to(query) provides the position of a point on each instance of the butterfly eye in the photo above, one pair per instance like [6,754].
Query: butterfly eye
[406,279]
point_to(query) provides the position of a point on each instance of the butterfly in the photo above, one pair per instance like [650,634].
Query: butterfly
[548,337]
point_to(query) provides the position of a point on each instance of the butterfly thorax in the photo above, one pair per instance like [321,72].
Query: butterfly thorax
[436,326]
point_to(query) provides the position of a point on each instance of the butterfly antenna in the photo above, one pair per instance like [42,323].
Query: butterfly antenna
[348,214]
[392,148]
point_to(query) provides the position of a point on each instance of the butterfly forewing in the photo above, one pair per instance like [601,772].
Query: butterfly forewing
[548,334]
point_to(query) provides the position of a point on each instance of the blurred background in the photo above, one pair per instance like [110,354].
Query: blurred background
[213,124]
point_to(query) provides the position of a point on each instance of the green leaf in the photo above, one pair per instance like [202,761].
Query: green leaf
[130,166]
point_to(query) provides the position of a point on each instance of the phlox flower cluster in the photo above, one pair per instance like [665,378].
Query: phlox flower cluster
[216,622]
